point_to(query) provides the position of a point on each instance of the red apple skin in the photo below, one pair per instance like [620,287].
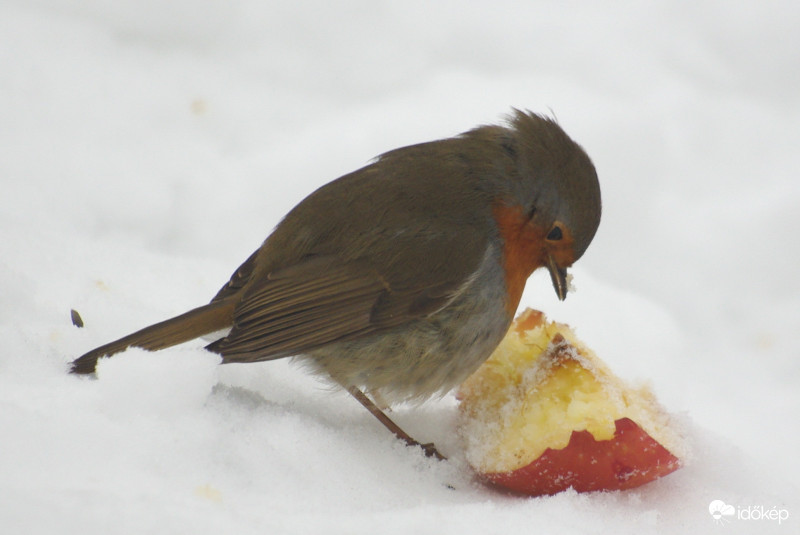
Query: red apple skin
[630,459]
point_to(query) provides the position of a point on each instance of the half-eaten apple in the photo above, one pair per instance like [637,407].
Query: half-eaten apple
[545,414]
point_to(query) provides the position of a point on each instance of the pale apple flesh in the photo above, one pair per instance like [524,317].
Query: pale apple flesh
[544,414]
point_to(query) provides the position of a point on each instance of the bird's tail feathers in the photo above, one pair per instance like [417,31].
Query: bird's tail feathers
[197,322]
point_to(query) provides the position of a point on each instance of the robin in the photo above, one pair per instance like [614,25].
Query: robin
[399,279]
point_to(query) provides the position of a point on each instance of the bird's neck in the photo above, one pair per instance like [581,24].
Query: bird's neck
[523,249]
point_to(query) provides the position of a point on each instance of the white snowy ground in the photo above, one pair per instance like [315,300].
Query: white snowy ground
[147,147]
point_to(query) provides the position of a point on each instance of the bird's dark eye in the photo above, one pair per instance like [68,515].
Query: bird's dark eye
[555,234]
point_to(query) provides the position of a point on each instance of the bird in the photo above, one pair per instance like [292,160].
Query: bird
[398,280]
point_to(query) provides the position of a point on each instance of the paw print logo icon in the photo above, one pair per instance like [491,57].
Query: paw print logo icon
[719,510]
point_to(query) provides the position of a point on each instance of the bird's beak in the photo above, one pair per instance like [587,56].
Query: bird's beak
[559,277]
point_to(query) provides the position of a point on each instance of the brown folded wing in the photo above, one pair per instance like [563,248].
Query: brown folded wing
[319,301]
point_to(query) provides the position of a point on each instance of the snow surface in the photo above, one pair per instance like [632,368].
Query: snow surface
[147,147]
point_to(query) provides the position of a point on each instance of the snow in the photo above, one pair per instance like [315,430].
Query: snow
[148,147]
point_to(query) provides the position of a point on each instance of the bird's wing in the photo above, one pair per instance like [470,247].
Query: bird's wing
[323,299]
[238,279]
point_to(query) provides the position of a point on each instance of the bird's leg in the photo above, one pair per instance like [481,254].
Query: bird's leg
[429,449]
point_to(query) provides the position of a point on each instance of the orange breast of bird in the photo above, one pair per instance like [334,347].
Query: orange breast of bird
[523,249]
